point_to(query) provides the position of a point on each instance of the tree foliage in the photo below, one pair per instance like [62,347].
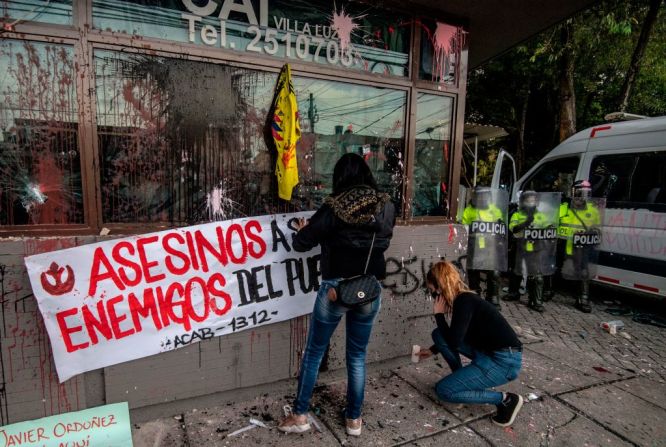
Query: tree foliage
[520,89]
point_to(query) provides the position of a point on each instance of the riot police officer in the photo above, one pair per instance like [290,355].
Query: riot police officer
[580,235]
[534,226]
[486,252]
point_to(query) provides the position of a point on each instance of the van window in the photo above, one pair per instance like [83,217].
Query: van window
[553,176]
[630,180]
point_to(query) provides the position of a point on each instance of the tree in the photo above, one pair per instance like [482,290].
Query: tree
[567,93]
[639,51]
[530,90]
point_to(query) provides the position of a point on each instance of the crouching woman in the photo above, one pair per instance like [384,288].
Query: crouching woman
[479,332]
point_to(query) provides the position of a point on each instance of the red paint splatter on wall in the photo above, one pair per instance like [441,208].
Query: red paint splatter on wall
[452,233]
[299,333]
[28,373]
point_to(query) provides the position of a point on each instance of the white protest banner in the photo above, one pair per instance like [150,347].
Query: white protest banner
[108,426]
[124,299]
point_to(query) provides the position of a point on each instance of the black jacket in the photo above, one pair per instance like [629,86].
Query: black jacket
[344,226]
[476,323]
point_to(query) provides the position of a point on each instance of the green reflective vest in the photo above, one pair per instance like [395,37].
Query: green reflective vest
[490,214]
[519,217]
[577,221]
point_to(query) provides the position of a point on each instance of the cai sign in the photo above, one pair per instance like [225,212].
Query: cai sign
[259,32]
[251,27]
[123,299]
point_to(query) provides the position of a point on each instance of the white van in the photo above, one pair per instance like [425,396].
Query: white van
[626,163]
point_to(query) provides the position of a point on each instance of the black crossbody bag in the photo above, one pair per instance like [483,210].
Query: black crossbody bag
[361,289]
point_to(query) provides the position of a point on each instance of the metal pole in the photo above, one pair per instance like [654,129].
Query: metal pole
[476,155]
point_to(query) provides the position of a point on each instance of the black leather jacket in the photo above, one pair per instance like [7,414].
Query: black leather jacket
[344,226]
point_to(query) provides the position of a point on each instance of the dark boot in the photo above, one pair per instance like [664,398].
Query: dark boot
[514,288]
[548,292]
[492,288]
[535,292]
[583,301]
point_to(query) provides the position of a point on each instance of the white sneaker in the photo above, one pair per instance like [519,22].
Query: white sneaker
[294,424]
[354,426]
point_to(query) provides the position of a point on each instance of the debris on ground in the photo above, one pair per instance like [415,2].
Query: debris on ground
[314,422]
[253,424]
[612,326]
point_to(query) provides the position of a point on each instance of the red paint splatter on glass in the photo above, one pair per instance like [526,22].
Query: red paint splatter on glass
[447,42]
[344,25]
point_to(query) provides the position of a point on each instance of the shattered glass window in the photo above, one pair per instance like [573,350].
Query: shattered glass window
[434,116]
[341,34]
[40,165]
[441,48]
[53,11]
[337,118]
[184,142]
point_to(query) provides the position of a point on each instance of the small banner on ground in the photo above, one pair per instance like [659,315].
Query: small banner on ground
[105,426]
[123,299]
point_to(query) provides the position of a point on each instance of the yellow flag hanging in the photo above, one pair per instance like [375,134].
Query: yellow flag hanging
[286,131]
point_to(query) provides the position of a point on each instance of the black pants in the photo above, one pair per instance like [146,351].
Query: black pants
[492,282]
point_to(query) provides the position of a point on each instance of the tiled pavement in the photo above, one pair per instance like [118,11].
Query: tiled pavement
[585,388]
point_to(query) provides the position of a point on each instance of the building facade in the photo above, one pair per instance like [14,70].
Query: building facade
[124,117]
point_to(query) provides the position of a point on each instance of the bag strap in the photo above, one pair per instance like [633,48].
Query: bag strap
[369,253]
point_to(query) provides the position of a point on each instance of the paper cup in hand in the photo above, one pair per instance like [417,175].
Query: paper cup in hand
[415,353]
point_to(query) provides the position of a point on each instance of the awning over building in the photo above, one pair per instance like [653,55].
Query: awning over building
[496,26]
[482,132]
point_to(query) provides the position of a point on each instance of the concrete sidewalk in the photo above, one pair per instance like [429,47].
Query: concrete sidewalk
[582,387]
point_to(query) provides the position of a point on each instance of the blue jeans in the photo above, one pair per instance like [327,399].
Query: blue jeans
[470,384]
[325,318]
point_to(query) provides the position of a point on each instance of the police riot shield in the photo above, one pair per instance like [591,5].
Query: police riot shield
[534,225]
[580,236]
[486,218]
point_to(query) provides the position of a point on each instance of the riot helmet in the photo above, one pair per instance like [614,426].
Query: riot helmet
[529,200]
[580,193]
[481,197]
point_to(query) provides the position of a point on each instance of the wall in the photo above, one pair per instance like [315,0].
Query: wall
[29,385]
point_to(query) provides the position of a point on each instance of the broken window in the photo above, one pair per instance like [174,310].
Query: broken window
[434,116]
[337,118]
[182,142]
[40,165]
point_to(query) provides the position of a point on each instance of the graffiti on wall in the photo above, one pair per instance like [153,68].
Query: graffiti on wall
[635,232]
[29,386]
[407,276]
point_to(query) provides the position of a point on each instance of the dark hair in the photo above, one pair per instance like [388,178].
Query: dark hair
[351,170]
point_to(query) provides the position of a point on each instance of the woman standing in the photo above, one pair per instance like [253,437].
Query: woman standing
[354,227]
[480,332]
